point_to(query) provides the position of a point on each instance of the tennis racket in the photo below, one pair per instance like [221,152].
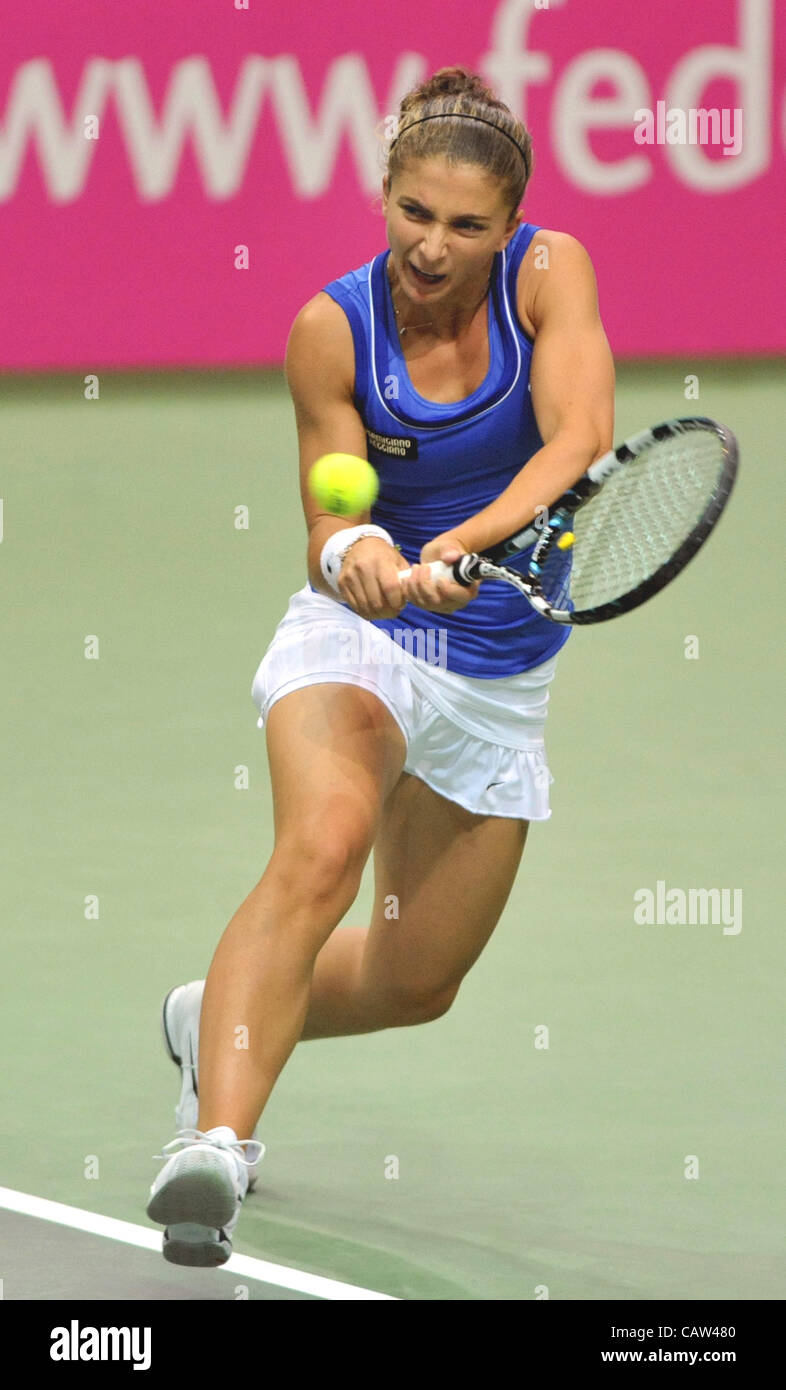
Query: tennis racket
[624,530]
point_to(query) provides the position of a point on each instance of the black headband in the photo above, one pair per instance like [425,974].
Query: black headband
[466,116]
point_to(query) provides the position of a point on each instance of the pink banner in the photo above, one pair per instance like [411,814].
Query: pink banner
[177,178]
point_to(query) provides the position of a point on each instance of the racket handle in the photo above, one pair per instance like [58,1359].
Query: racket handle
[438,569]
[460,570]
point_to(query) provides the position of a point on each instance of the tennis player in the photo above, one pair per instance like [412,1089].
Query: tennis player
[469,364]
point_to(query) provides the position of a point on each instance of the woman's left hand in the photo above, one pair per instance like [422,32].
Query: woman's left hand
[439,595]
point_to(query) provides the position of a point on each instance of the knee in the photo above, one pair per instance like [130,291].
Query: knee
[440,1003]
[324,865]
[424,1004]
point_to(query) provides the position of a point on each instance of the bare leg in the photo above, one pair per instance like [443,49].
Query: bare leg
[406,969]
[335,753]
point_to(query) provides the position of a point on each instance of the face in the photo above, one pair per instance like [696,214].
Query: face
[446,221]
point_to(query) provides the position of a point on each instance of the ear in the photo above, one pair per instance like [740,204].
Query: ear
[385,192]
[514,222]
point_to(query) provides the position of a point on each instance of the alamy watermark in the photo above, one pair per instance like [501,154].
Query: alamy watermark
[383,648]
[77,1343]
[679,907]
[696,126]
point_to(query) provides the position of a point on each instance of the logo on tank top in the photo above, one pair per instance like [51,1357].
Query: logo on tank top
[393,444]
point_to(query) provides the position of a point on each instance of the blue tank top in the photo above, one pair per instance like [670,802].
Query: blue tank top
[439,464]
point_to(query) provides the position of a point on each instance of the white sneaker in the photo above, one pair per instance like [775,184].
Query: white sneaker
[198,1194]
[180,1027]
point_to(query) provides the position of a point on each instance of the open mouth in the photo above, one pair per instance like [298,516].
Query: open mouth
[421,278]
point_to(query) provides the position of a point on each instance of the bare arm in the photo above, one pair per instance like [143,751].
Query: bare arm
[320,367]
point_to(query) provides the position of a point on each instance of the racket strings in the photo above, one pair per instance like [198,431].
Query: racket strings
[636,523]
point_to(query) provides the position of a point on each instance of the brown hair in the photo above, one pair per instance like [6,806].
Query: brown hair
[494,138]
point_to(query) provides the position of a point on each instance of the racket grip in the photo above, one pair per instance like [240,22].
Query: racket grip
[460,570]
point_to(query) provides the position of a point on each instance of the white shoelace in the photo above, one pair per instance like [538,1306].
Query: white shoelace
[187,1137]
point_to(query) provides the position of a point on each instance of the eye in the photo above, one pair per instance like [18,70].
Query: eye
[466,225]
[412,211]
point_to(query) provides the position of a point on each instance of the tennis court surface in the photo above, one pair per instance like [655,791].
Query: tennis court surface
[636,1157]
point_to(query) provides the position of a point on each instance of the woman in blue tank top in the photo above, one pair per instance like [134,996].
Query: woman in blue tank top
[440,462]
[468,363]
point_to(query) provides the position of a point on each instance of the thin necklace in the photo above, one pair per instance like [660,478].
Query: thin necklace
[428,322]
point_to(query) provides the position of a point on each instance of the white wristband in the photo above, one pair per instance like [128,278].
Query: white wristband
[337,545]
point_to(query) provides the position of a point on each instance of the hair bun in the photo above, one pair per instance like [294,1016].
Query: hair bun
[450,82]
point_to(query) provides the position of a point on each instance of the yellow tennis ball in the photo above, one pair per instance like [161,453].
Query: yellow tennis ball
[343,484]
[566,540]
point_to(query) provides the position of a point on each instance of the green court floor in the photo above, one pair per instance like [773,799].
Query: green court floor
[128,845]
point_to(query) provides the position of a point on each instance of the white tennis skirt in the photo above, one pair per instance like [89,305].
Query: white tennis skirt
[477,742]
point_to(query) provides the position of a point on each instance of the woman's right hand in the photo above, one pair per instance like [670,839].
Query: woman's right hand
[369,580]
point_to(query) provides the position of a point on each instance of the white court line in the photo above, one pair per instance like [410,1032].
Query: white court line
[147,1238]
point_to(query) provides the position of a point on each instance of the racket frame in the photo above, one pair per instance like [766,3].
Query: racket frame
[487,566]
